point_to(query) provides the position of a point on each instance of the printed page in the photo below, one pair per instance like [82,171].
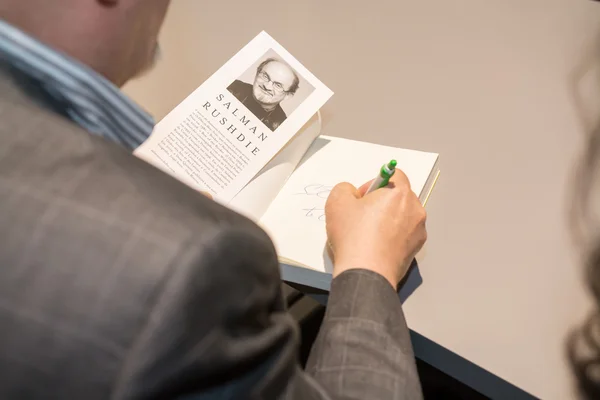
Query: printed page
[295,220]
[229,128]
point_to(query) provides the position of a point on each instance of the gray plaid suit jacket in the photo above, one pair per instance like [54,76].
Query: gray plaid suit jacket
[119,282]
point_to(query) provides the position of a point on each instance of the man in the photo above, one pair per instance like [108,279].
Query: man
[119,282]
[274,82]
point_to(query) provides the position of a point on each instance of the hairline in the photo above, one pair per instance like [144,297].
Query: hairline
[295,84]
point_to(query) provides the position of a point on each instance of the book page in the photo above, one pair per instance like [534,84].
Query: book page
[295,220]
[254,199]
[229,128]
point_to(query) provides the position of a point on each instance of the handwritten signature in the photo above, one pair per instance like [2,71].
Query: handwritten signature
[314,212]
[316,189]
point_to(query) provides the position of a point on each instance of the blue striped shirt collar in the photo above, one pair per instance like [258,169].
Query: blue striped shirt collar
[85,96]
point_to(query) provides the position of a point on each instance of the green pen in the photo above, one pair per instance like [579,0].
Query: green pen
[385,173]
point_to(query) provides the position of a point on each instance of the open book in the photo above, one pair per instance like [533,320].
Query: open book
[250,137]
[230,127]
[288,197]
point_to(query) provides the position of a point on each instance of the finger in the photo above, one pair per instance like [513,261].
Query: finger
[330,251]
[363,189]
[399,179]
[206,194]
[343,190]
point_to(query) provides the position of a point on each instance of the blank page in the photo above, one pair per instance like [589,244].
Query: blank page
[254,199]
[295,220]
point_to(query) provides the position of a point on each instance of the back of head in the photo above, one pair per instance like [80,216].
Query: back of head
[116,38]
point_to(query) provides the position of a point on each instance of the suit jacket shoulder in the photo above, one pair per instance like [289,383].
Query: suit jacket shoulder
[103,247]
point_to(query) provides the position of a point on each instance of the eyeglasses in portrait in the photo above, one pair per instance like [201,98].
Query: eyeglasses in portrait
[271,89]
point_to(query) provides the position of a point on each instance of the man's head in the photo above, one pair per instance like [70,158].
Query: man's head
[274,81]
[116,38]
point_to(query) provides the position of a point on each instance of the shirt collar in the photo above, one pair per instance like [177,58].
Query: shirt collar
[86,97]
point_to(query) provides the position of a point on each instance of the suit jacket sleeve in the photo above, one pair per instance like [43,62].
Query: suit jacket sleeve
[220,328]
[363,350]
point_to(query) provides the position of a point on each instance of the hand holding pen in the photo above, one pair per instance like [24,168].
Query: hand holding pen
[381,231]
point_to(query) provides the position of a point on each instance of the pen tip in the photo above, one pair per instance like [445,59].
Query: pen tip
[392,164]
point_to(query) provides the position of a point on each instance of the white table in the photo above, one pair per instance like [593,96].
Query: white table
[490,85]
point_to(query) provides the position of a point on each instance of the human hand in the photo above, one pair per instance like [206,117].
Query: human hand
[381,231]
[206,194]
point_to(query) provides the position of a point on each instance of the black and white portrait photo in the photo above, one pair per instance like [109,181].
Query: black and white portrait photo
[271,90]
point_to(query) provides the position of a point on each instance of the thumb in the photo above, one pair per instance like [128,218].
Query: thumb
[206,194]
[344,190]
